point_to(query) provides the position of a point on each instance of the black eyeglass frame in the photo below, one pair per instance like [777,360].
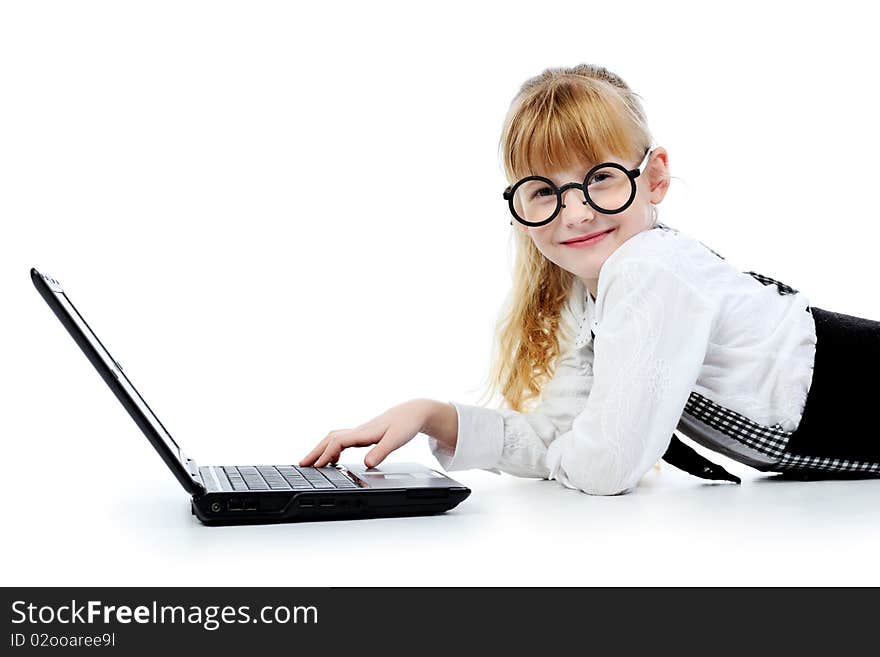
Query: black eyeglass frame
[632,174]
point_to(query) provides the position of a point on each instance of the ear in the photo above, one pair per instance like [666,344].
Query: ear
[658,175]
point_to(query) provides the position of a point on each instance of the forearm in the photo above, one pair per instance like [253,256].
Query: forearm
[463,437]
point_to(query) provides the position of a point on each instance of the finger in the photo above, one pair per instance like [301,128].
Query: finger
[386,445]
[309,458]
[352,438]
[317,451]
[374,457]
[332,453]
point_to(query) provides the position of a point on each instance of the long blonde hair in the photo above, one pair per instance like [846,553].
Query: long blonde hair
[561,118]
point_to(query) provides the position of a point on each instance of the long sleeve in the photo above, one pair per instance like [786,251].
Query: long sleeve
[650,346]
[516,443]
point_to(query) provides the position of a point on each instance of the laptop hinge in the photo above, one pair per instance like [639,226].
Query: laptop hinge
[193,469]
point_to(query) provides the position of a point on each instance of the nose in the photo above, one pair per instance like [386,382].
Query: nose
[573,202]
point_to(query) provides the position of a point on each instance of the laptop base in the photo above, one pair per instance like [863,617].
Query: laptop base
[269,508]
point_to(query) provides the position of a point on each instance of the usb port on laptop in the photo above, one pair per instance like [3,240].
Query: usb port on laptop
[246,504]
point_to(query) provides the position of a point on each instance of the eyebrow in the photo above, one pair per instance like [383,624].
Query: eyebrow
[556,178]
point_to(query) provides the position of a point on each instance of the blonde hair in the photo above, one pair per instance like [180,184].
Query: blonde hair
[562,118]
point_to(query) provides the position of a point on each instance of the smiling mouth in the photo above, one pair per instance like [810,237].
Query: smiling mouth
[586,238]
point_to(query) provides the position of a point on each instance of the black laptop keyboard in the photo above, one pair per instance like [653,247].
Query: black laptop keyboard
[277,477]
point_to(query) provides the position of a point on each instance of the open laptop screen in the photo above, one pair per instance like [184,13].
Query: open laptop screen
[112,373]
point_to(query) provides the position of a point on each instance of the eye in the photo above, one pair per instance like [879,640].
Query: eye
[543,192]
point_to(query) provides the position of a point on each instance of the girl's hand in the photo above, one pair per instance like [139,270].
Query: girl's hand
[393,429]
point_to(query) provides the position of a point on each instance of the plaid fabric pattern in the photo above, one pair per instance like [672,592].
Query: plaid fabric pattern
[770,441]
[782,288]
[799,462]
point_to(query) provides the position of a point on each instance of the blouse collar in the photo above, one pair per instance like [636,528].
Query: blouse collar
[585,327]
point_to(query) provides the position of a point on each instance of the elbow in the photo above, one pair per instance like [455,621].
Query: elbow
[606,488]
[604,482]
[592,471]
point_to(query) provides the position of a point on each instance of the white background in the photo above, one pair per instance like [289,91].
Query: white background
[284,218]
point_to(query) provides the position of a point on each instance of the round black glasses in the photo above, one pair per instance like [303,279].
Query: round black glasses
[608,187]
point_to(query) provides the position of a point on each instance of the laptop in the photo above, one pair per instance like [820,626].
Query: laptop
[257,494]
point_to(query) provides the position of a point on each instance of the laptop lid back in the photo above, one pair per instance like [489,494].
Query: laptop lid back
[54,295]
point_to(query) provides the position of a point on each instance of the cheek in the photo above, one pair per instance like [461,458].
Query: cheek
[544,243]
[542,237]
[626,225]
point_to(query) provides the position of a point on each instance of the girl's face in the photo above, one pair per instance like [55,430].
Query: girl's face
[577,219]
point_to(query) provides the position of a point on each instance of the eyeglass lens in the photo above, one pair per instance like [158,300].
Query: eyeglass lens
[609,188]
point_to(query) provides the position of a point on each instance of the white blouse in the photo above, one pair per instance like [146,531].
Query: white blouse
[670,317]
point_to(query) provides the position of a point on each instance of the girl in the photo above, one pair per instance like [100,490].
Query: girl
[627,329]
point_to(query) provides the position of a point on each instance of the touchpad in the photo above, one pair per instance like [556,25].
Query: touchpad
[401,475]
[389,475]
